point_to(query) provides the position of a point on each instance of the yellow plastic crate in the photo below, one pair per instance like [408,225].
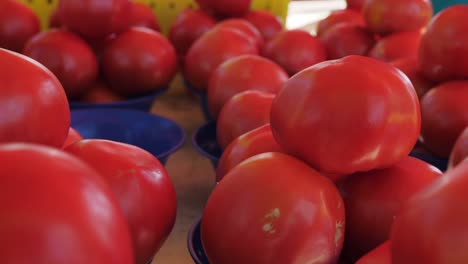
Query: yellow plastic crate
[165,10]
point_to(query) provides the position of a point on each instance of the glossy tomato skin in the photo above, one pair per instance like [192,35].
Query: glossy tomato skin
[379,255]
[254,142]
[225,8]
[18,23]
[266,201]
[355,4]
[143,189]
[460,149]
[443,54]
[247,72]
[95,18]
[67,56]
[73,137]
[390,16]
[295,50]
[410,67]
[142,16]
[59,199]
[100,92]
[245,27]
[444,116]
[212,49]
[380,115]
[266,22]
[139,61]
[431,227]
[373,199]
[347,39]
[242,113]
[346,16]
[188,26]
[33,109]
[397,46]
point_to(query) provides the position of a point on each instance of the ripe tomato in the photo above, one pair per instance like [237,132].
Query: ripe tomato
[346,16]
[95,18]
[242,113]
[347,39]
[266,201]
[100,92]
[460,149]
[295,50]
[225,8]
[143,16]
[443,54]
[397,46]
[379,112]
[431,228]
[391,16]
[266,22]
[373,199]
[212,49]
[139,61]
[55,21]
[410,67]
[444,116]
[33,104]
[355,4]
[73,137]
[247,72]
[67,56]
[188,26]
[56,209]
[379,255]
[245,27]
[257,141]
[142,186]
[18,23]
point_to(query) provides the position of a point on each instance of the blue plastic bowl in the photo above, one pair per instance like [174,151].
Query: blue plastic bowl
[195,245]
[203,100]
[156,134]
[204,141]
[142,103]
[440,163]
[442,4]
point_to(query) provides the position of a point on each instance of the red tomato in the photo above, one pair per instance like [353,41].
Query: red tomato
[410,67]
[444,116]
[242,113]
[247,72]
[226,8]
[347,39]
[460,149]
[99,45]
[33,104]
[101,93]
[73,137]
[188,26]
[67,56]
[18,23]
[390,16]
[142,187]
[347,16]
[443,54]
[295,50]
[139,61]
[379,255]
[245,27]
[373,199]
[95,18]
[355,4]
[266,22]
[56,209]
[431,228]
[397,46]
[143,16]
[277,210]
[212,49]
[336,106]
[55,21]
[257,141]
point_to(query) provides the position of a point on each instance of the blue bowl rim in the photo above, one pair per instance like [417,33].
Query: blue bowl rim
[136,112]
[197,146]
[190,236]
[123,103]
